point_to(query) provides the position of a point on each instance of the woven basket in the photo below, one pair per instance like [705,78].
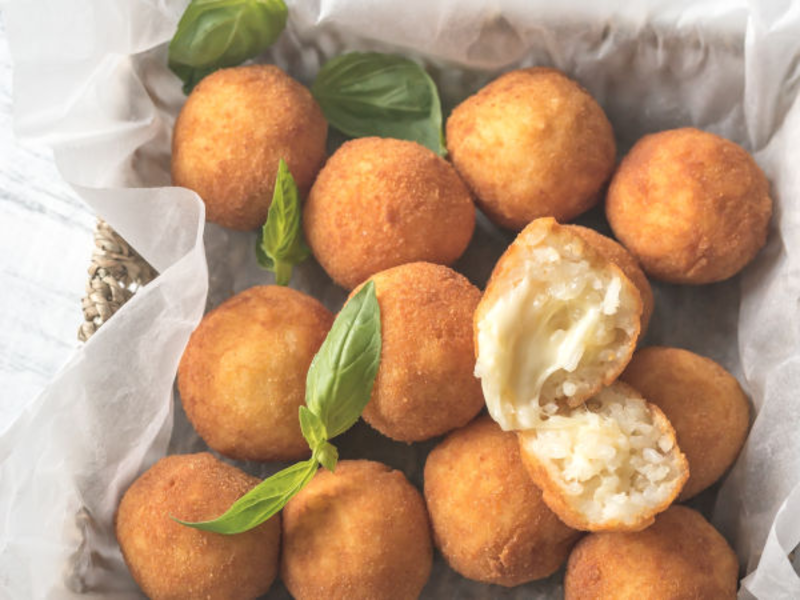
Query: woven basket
[115,274]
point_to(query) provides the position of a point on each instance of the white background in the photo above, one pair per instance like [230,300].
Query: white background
[45,249]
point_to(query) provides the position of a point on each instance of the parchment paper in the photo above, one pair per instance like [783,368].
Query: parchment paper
[91,81]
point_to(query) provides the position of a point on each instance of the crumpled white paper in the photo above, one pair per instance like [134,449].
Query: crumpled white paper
[91,81]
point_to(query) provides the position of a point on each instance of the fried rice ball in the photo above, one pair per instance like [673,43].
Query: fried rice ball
[610,464]
[230,135]
[379,203]
[691,206]
[557,322]
[617,254]
[425,385]
[171,561]
[704,403]
[489,519]
[680,556]
[533,143]
[242,377]
[361,532]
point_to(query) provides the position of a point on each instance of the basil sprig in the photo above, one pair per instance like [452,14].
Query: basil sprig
[338,387]
[213,34]
[281,245]
[262,502]
[366,94]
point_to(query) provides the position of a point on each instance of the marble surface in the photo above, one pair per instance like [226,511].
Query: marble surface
[45,248]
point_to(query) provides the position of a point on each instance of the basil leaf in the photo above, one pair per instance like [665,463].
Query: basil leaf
[213,34]
[281,245]
[262,502]
[341,376]
[312,428]
[365,94]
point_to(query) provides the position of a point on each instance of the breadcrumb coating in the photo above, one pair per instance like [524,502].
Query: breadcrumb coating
[532,143]
[692,207]
[232,132]
[380,203]
[361,532]
[705,404]
[242,377]
[489,519]
[425,384]
[170,561]
[680,556]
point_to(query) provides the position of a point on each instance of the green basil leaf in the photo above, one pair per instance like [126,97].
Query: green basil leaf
[366,94]
[312,428]
[281,245]
[262,502]
[341,376]
[327,455]
[213,34]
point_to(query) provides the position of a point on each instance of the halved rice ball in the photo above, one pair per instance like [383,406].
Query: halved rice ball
[557,322]
[610,464]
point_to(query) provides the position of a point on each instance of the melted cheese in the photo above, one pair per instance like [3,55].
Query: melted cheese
[541,328]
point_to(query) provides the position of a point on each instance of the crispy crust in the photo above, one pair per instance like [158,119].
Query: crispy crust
[170,561]
[361,532]
[680,556]
[229,136]
[691,206]
[379,203]
[425,384]
[504,277]
[242,376]
[558,501]
[616,253]
[704,403]
[488,517]
[530,144]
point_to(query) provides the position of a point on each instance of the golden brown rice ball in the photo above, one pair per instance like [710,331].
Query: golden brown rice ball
[691,206]
[242,377]
[680,556]
[361,532]
[230,135]
[617,254]
[489,519]
[379,203]
[171,561]
[533,143]
[704,403]
[425,385]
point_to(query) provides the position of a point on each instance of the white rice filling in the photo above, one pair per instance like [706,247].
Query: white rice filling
[609,456]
